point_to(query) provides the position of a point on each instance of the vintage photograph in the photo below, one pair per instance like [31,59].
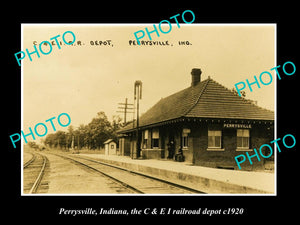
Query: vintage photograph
[103,115]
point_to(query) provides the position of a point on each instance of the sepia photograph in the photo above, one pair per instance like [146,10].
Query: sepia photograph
[188,112]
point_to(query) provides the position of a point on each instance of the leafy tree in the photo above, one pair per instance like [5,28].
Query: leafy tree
[92,135]
[56,140]
[100,130]
[33,145]
[116,124]
[61,139]
[50,140]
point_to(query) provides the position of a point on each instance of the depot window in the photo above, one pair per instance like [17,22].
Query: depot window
[185,141]
[155,138]
[214,138]
[145,138]
[243,136]
[185,138]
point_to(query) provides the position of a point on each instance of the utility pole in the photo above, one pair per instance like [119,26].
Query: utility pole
[126,108]
[137,97]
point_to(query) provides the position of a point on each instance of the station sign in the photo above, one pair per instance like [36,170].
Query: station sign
[237,125]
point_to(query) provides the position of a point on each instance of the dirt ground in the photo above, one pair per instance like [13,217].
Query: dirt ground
[65,177]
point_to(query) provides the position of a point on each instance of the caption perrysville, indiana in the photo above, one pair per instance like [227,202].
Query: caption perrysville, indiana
[150,211]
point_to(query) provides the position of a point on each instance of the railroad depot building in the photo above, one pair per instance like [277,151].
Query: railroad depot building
[207,122]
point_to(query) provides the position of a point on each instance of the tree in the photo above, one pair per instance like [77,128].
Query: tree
[56,140]
[116,124]
[50,140]
[33,145]
[99,129]
[92,135]
[70,130]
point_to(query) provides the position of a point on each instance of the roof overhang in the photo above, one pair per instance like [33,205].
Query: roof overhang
[200,120]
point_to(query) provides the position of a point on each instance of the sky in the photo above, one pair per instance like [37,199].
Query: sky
[84,79]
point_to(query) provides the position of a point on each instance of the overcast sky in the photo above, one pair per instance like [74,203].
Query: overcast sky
[83,80]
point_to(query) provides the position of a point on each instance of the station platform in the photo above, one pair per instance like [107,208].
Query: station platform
[208,180]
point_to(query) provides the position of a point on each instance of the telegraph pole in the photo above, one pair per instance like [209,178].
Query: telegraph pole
[126,108]
[137,97]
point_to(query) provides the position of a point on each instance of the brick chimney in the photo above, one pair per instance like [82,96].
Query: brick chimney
[196,76]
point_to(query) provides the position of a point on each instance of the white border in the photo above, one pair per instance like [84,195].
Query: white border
[146,24]
[22,118]
[275,111]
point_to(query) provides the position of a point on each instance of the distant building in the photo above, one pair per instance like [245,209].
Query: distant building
[110,147]
[209,123]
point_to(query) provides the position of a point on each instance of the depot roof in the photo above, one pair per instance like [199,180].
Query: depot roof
[206,99]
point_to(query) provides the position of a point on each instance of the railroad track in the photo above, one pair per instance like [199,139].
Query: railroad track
[33,172]
[33,157]
[134,181]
